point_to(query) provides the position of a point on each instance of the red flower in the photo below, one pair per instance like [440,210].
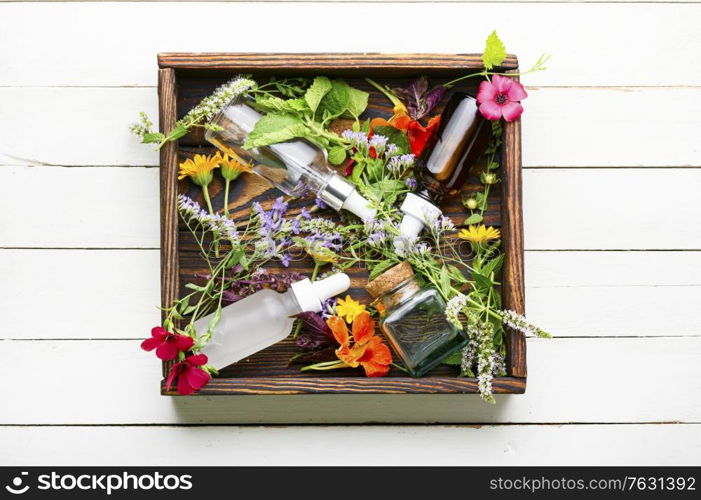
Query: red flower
[190,376]
[501,97]
[417,134]
[167,344]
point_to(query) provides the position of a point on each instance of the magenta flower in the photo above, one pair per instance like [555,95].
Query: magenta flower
[190,376]
[167,344]
[501,97]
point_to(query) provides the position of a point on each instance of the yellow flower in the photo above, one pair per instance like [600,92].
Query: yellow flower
[479,234]
[232,166]
[349,308]
[199,169]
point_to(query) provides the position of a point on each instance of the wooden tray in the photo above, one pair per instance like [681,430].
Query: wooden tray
[184,79]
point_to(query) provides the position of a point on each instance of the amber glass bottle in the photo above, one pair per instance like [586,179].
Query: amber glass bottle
[447,161]
[460,141]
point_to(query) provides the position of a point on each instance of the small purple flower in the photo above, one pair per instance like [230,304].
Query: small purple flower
[285,260]
[320,203]
[391,150]
[305,214]
[411,183]
[378,142]
[279,205]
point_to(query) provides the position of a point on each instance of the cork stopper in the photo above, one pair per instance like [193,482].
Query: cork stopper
[390,279]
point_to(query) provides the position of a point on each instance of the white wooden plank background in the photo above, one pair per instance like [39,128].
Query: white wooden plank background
[613,261]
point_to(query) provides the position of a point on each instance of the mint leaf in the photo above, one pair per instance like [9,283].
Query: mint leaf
[357,102]
[151,137]
[276,104]
[178,132]
[336,101]
[494,51]
[274,128]
[336,155]
[316,92]
[380,268]
[394,136]
[474,219]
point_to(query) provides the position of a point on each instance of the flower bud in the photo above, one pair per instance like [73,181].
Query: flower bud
[470,203]
[488,178]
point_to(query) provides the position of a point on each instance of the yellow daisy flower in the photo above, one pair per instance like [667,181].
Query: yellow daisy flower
[349,308]
[232,166]
[479,234]
[199,169]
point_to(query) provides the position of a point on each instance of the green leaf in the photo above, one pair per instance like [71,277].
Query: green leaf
[380,268]
[234,258]
[152,137]
[273,104]
[336,100]
[358,170]
[274,128]
[357,102]
[178,132]
[493,265]
[193,286]
[365,126]
[494,51]
[482,283]
[473,219]
[336,155]
[317,91]
[394,136]
[454,359]
[456,274]
[444,280]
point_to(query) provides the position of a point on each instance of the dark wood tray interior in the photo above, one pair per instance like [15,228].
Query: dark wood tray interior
[271,366]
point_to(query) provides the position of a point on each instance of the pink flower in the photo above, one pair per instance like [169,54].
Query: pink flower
[501,97]
[190,376]
[167,344]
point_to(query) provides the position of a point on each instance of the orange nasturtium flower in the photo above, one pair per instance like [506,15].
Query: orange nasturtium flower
[361,347]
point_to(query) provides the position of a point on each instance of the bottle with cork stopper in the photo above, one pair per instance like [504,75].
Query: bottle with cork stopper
[413,320]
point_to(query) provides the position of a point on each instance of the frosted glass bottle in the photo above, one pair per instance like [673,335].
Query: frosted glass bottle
[295,167]
[264,318]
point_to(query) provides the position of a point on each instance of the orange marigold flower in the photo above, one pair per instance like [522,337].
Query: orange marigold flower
[361,347]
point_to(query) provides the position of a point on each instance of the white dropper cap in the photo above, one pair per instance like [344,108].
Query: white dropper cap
[416,211]
[311,296]
[359,206]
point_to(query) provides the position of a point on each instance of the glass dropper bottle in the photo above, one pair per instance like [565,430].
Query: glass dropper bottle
[295,167]
[445,164]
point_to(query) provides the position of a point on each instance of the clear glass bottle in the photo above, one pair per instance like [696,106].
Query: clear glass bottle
[414,320]
[445,164]
[264,318]
[295,167]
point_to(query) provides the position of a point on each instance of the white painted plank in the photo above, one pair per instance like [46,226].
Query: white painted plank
[612,209]
[657,49]
[599,380]
[74,126]
[81,293]
[614,293]
[524,445]
[612,127]
[563,208]
[570,293]
[79,207]
[561,127]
